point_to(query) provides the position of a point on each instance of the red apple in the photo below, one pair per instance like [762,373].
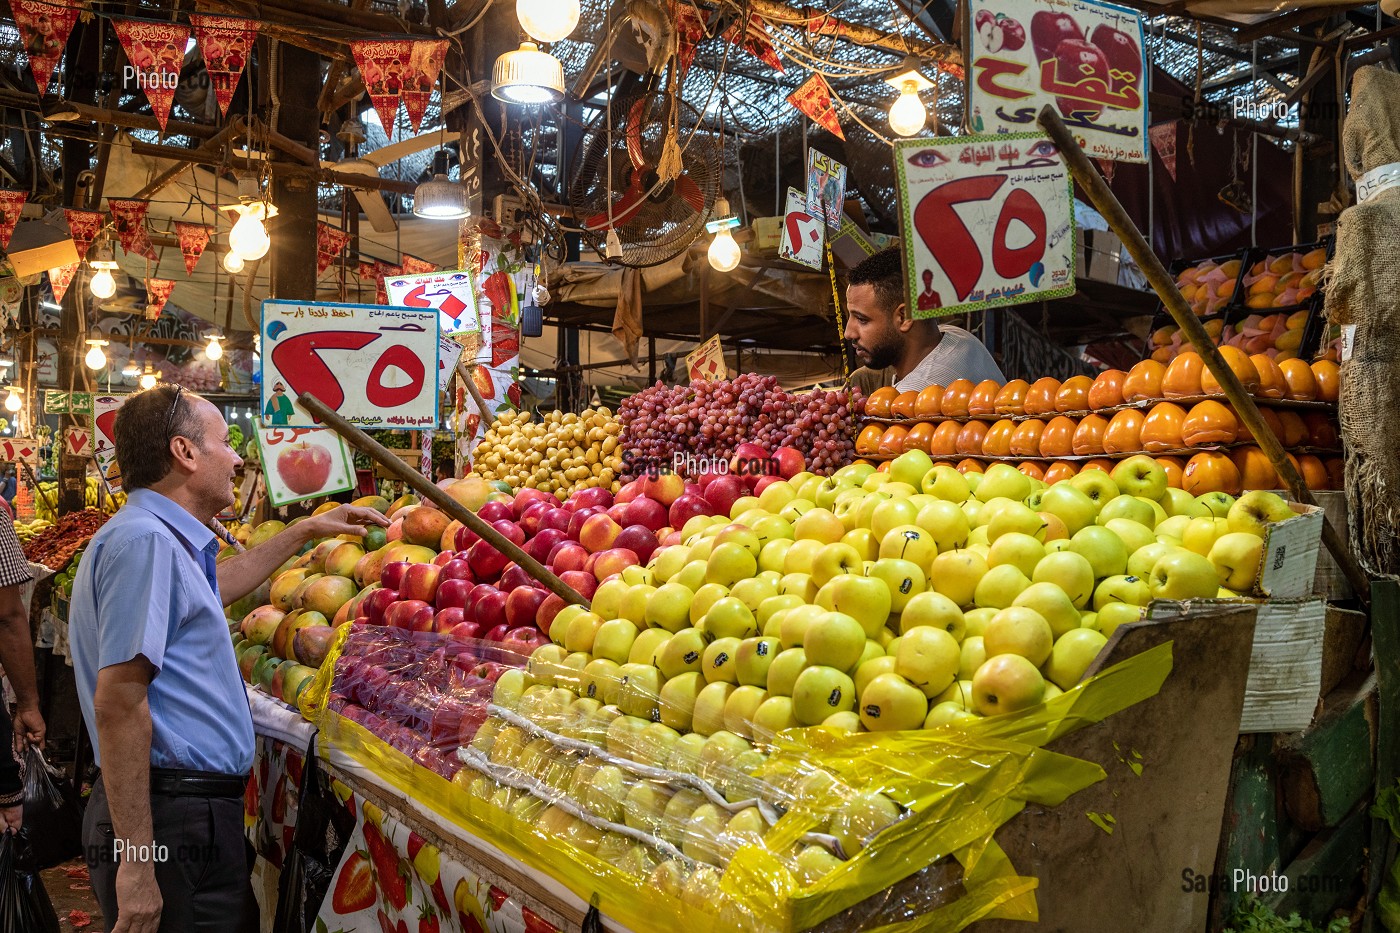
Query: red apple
[544,616]
[527,497]
[618,512]
[790,461]
[664,487]
[466,631]
[392,574]
[1013,34]
[613,560]
[491,608]
[402,613]
[495,633]
[524,640]
[448,619]
[510,531]
[705,479]
[496,512]
[764,482]
[687,507]
[458,568]
[592,496]
[638,539]
[531,517]
[486,562]
[514,577]
[1123,55]
[745,459]
[375,603]
[693,489]
[670,538]
[523,604]
[1076,60]
[556,517]
[598,532]
[542,543]
[579,517]
[567,555]
[721,495]
[585,584]
[420,581]
[646,512]
[629,491]
[453,593]
[465,538]
[304,468]
[1049,29]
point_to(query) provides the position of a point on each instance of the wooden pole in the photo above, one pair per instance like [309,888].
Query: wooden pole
[486,416]
[1165,286]
[419,484]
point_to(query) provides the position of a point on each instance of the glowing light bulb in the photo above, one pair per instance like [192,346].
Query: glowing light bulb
[907,114]
[233,263]
[148,378]
[102,284]
[214,350]
[249,238]
[95,358]
[13,401]
[547,20]
[131,370]
[724,252]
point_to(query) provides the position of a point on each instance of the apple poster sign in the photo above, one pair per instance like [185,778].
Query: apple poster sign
[302,463]
[1086,59]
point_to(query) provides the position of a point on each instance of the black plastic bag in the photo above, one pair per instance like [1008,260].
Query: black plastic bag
[53,819]
[318,842]
[24,904]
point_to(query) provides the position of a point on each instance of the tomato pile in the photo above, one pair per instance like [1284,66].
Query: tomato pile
[55,546]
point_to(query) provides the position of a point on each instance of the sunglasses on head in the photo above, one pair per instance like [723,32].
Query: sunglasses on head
[174,406]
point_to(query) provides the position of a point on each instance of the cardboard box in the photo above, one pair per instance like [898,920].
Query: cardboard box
[1285,667]
[1289,560]
[1330,582]
[767,233]
[1341,640]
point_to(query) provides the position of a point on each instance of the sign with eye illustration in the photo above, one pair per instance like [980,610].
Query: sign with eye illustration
[985,221]
[1088,60]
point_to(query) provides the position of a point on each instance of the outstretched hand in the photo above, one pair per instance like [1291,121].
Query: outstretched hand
[344,519]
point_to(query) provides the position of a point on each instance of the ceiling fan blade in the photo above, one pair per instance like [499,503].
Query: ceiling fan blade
[634,133]
[623,210]
[690,193]
[387,155]
[376,210]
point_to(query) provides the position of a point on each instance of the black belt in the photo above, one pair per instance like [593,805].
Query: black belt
[180,782]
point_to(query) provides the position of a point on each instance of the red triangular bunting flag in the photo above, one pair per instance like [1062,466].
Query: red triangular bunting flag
[11,203]
[330,243]
[225,43]
[425,61]
[193,239]
[83,226]
[814,98]
[412,265]
[382,269]
[690,29]
[60,279]
[129,217]
[43,31]
[1108,168]
[754,40]
[1163,137]
[158,293]
[383,65]
[156,51]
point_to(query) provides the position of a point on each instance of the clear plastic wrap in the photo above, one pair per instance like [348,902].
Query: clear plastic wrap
[576,771]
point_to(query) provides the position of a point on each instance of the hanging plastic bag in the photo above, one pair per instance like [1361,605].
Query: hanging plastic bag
[53,819]
[24,904]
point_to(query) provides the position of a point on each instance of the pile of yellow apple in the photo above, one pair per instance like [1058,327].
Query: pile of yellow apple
[560,453]
[916,598]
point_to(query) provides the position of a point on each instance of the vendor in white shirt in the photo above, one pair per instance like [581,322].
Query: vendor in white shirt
[884,337]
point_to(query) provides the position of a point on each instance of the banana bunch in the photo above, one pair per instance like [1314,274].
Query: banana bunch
[27,530]
[91,493]
[48,494]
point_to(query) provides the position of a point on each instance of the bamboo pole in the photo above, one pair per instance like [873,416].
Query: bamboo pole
[419,484]
[465,373]
[1165,286]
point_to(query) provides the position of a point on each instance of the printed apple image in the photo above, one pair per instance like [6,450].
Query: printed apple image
[304,468]
[1123,55]
[1048,30]
[1075,61]
[999,32]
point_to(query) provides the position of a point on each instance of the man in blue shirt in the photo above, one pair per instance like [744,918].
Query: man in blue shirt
[157,679]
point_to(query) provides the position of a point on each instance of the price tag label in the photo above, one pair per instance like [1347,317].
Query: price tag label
[104,441]
[20,450]
[803,233]
[985,222]
[77,441]
[302,463]
[707,361]
[452,294]
[375,366]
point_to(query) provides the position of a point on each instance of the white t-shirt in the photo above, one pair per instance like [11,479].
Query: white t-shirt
[959,355]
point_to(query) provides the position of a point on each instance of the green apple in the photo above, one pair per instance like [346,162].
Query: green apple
[853,473]
[1180,502]
[864,542]
[911,467]
[685,754]
[820,691]
[774,554]
[798,584]
[582,630]
[744,504]
[1070,505]
[928,658]
[946,522]
[739,709]
[1140,475]
[607,599]
[955,574]
[833,560]
[1052,604]
[1256,510]
[655,743]
[668,561]
[1183,574]
[717,663]
[707,714]
[1072,655]
[1000,586]
[911,543]
[1218,504]
[933,609]
[1002,480]
[753,658]
[700,551]
[701,840]
[704,598]
[1006,683]
[862,817]
[1096,484]
[1174,528]
[949,714]
[1113,615]
[773,715]
[1140,561]
[773,604]
[973,510]
[971,655]
[818,525]
[792,628]
[754,591]
[636,574]
[795,509]
[641,691]
[682,653]
[813,863]
[691,576]
[1018,630]
[1132,534]
[904,580]
[645,805]
[833,639]
[721,755]
[622,735]
[647,645]
[1122,588]
[1104,550]
[959,691]
[1201,533]
[634,604]
[1020,550]
[601,679]
[669,607]
[1014,517]
[869,670]
[730,561]
[946,483]
[865,599]
[1129,507]
[891,703]
[801,554]
[783,672]
[1237,557]
[890,514]
[1069,571]
[777,495]
[729,618]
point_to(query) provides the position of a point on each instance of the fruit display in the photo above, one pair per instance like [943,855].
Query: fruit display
[1053,430]
[55,546]
[1209,285]
[562,452]
[27,531]
[93,498]
[663,425]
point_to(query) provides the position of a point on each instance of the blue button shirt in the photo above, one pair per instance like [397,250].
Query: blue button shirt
[147,586]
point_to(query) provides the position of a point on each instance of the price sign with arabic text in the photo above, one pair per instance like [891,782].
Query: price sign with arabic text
[302,463]
[706,361]
[375,366]
[104,440]
[985,221]
[452,293]
[19,450]
[1086,59]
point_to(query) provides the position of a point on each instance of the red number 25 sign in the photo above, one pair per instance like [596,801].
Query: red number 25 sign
[986,221]
[376,366]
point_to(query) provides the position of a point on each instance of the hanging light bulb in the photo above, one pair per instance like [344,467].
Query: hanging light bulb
[95,358]
[528,76]
[131,370]
[249,238]
[148,377]
[13,402]
[612,248]
[724,254]
[907,113]
[214,350]
[440,198]
[233,263]
[102,285]
[547,20]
